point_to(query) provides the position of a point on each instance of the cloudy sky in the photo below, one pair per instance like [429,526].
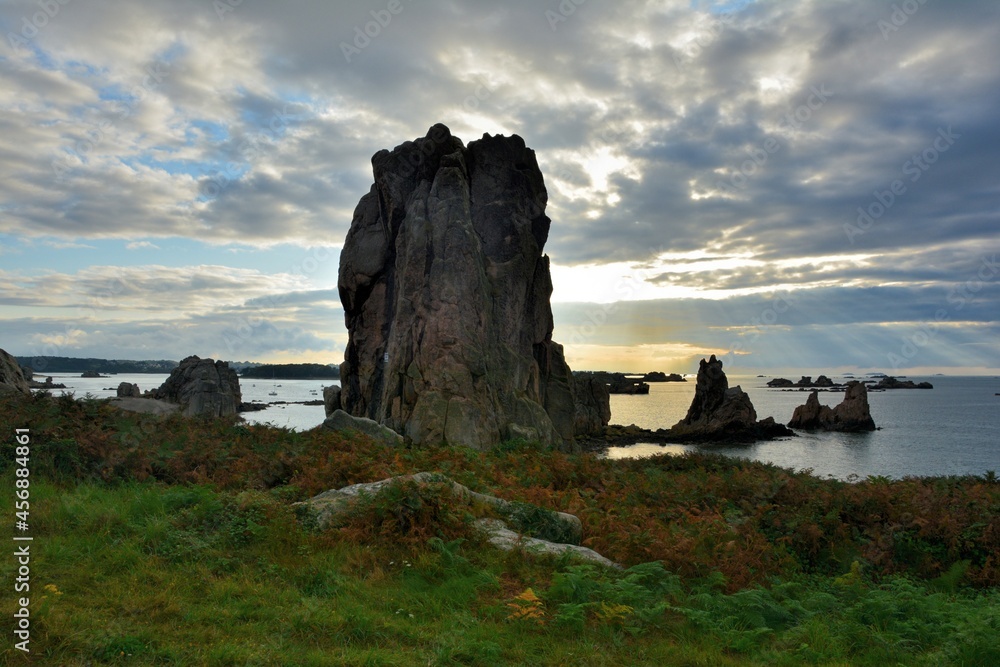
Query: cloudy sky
[800,186]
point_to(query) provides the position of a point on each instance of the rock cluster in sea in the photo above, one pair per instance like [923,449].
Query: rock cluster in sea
[853,413]
[805,382]
[446,300]
[893,383]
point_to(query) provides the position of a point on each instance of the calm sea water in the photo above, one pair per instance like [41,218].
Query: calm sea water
[953,429]
[299,417]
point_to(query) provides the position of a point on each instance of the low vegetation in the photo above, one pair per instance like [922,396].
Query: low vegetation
[175,542]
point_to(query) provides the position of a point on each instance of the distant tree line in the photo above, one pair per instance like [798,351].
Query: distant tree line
[79,365]
[293,372]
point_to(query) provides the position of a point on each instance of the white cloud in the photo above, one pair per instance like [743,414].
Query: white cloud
[649,119]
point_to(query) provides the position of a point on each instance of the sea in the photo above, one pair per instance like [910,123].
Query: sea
[952,429]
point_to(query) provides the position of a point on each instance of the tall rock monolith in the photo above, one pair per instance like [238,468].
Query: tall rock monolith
[446,299]
[719,412]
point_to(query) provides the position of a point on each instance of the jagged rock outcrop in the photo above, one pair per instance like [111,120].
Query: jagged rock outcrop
[721,412]
[202,387]
[853,413]
[128,390]
[11,376]
[780,382]
[446,299]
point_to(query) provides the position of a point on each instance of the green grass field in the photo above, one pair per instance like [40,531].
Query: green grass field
[174,543]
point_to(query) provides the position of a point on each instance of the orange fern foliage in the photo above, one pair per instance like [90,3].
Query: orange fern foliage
[526,606]
[698,513]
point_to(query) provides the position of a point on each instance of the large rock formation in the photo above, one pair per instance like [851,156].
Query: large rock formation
[128,390]
[202,387]
[446,299]
[721,412]
[11,376]
[851,415]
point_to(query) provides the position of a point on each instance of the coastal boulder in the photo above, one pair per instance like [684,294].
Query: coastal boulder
[128,390]
[853,413]
[12,378]
[446,299]
[521,525]
[721,412]
[341,421]
[202,387]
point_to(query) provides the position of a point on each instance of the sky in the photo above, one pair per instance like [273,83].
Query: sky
[803,187]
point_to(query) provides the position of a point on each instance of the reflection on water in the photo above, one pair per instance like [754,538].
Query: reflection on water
[642,450]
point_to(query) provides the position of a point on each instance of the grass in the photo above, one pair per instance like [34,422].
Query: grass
[175,543]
